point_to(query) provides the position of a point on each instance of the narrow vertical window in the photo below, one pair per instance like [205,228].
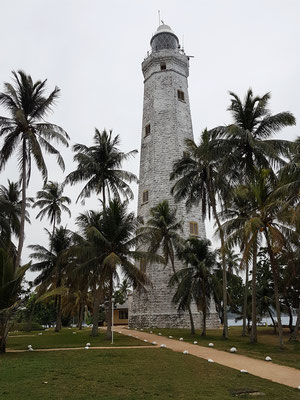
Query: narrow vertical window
[185,154]
[145,196]
[180,95]
[163,66]
[193,228]
[143,266]
[147,130]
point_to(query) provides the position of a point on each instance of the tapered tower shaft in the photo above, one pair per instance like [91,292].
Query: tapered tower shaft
[165,127]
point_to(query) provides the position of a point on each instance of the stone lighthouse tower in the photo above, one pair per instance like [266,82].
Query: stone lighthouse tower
[165,126]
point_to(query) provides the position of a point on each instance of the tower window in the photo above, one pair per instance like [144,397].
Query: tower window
[123,314]
[143,266]
[180,95]
[147,130]
[194,228]
[145,196]
[163,66]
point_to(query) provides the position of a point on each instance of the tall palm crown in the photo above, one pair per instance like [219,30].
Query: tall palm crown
[100,165]
[197,175]
[51,202]
[26,132]
[247,140]
[162,232]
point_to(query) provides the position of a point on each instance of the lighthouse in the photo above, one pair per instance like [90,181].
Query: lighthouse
[166,124]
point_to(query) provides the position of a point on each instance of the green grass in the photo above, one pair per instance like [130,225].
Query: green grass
[66,338]
[125,374]
[267,343]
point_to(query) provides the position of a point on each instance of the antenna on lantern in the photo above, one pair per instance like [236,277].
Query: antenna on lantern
[158,17]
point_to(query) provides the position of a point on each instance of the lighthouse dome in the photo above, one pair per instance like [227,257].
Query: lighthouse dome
[164,38]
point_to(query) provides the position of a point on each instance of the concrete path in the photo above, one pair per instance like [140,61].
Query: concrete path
[264,369]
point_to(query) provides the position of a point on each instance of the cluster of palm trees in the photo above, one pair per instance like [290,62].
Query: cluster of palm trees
[250,183]
[247,180]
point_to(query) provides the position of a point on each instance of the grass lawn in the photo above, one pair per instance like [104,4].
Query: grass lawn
[66,338]
[267,343]
[126,374]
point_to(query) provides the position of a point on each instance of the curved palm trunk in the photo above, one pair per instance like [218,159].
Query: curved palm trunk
[296,329]
[253,337]
[23,206]
[58,316]
[276,287]
[109,313]
[245,305]
[191,321]
[273,321]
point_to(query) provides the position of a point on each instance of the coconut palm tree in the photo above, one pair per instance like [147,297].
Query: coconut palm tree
[27,133]
[196,282]
[268,219]
[10,290]
[10,210]
[247,142]
[51,202]
[100,165]
[162,232]
[200,179]
[109,248]
[52,266]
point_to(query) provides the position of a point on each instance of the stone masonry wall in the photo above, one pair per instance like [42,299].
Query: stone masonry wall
[170,124]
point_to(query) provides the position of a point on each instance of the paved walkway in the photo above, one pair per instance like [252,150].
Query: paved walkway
[264,369]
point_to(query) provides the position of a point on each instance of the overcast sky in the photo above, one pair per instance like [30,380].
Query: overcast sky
[93,51]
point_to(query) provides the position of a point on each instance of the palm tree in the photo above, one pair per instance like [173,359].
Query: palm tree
[27,133]
[51,202]
[162,232]
[10,210]
[199,180]
[100,165]
[268,219]
[52,266]
[247,142]
[196,282]
[10,290]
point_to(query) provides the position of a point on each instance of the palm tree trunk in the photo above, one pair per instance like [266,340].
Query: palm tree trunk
[80,317]
[273,321]
[58,316]
[296,329]
[96,306]
[245,305]
[103,197]
[109,313]
[288,307]
[221,232]
[276,287]
[3,332]
[253,337]
[23,205]
[204,312]
[191,321]
[53,230]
